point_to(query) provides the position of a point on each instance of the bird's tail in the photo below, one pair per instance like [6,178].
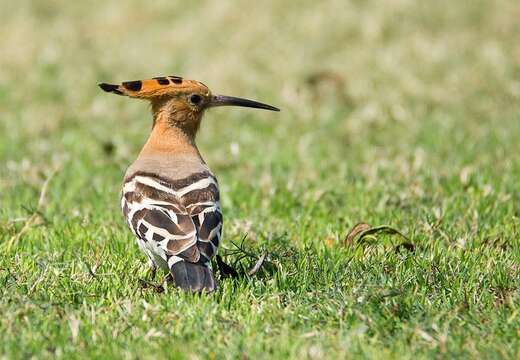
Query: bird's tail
[193,277]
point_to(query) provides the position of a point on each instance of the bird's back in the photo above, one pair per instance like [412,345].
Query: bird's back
[172,205]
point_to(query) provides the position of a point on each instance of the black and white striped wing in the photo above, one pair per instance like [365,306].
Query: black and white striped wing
[174,223]
[208,222]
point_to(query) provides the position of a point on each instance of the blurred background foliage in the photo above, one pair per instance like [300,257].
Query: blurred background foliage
[387,98]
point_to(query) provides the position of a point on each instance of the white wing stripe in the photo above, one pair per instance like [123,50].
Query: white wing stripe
[173,260]
[152,183]
[148,181]
[206,203]
[201,184]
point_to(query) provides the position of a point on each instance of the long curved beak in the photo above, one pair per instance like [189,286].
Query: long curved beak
[222,100]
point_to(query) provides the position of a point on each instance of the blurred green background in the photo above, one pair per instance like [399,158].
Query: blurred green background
[395,112]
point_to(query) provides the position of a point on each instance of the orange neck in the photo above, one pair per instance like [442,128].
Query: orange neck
[167,139]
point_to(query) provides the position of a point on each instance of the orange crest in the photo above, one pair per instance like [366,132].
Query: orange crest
[164,86]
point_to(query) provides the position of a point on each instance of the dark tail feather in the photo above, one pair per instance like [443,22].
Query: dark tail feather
[193,277]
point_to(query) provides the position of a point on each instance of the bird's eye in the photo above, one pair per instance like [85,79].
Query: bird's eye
[195,99]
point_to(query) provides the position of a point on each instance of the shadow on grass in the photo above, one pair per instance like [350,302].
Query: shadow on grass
[247,263]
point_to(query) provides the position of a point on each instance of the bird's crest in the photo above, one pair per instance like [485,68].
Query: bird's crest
[156,87]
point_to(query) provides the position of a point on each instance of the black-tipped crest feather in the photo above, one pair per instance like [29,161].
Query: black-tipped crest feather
[110,88]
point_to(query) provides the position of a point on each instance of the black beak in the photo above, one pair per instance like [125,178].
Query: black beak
[222,100]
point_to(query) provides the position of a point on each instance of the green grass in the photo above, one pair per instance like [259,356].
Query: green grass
[416,126]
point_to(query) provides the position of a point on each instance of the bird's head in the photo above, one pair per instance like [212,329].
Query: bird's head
[179,102]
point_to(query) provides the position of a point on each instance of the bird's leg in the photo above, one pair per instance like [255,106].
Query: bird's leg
[153,269]
[168,278]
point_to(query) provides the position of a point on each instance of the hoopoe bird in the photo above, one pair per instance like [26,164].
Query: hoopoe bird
[170,197]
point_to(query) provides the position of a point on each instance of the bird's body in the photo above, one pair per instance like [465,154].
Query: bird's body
[170,197]
[172,205]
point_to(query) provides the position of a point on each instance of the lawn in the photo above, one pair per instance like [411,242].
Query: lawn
[398,112]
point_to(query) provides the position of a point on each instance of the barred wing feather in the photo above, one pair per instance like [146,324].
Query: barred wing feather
[180,220]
